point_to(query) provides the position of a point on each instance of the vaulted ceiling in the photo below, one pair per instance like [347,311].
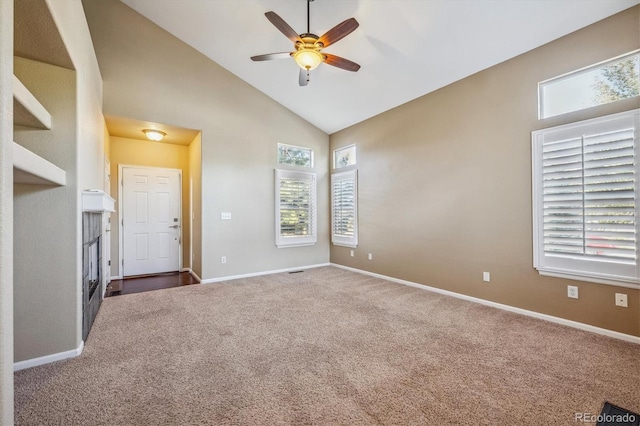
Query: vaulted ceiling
[406,48]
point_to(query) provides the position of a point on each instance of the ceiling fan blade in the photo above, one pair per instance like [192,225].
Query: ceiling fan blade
[284,28]
[338,32]
[339,62]
[303,78]
[271,56]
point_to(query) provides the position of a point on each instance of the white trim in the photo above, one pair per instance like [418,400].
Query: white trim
[193,274]
[258,274]
[47,359]
[118,277]
[616,281]
[538,315]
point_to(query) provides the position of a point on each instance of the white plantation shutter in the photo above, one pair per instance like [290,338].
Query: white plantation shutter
[585,191]
[344,208]
[295,208]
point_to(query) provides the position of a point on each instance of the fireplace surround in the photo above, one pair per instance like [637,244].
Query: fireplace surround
[95,204]
[91,269]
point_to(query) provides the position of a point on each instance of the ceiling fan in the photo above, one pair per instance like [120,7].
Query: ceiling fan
[308,47]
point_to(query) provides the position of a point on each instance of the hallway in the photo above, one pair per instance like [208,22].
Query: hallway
[149,283]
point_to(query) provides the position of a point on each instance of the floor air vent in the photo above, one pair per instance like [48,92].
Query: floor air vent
[295,272]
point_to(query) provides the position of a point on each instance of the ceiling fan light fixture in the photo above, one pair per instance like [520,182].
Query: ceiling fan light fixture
[308,59]
[154,135]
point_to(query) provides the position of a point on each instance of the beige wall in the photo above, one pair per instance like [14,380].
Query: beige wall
[6,213]
[46,257]
[445,183]
[47,221]
[72,26]
[150,75]
[133,152]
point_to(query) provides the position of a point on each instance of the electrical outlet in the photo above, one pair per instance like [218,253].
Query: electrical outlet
[370,256]
[621,300]
[486,277]
[572,291]
[352,253]
[223,259]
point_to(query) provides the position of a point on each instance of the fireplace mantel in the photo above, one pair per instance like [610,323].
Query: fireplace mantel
[95,200]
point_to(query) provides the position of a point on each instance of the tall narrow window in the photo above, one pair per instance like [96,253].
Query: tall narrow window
[295,208]
[585,192]
[344,208]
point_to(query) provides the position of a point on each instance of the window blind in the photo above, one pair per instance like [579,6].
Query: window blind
[589,196]
[344,212]
[585,190]
[295,208]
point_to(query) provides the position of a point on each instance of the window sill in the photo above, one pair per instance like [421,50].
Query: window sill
[295,245]
[345,245]
[599,279]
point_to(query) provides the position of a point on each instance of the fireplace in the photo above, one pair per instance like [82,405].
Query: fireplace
[91,269]
[96,206]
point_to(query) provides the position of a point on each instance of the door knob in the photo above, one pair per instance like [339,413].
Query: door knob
[175,226]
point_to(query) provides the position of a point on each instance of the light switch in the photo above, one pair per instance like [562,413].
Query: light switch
[225,215]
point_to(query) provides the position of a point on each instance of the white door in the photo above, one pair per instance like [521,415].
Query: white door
[151,220]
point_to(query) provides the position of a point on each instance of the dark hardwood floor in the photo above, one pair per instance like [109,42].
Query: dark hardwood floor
[140,284]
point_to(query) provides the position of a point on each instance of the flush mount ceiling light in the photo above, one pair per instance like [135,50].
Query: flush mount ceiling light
[154,135]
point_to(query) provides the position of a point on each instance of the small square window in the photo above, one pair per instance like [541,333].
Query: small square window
[295,155]
[344,157]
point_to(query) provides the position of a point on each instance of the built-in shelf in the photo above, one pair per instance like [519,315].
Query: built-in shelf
[27,110]
[33,169]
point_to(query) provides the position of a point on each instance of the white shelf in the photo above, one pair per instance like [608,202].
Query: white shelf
[33,169]
[27,110]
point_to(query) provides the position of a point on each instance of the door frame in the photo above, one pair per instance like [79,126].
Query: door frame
[121,208]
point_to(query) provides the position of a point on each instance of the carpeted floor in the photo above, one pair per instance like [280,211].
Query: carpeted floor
[326,346]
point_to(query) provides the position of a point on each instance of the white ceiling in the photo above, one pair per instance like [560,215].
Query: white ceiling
[407,48]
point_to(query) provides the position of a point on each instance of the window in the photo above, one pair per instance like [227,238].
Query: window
[599,84]
[344,208]
[584,200]
[295,155]
[295,208]
[344,157]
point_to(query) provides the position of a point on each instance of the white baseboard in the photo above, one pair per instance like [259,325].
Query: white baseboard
[119,277]
[257,274]
[533,314]
[34,362]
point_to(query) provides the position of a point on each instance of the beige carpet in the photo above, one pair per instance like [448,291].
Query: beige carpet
[326,346]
